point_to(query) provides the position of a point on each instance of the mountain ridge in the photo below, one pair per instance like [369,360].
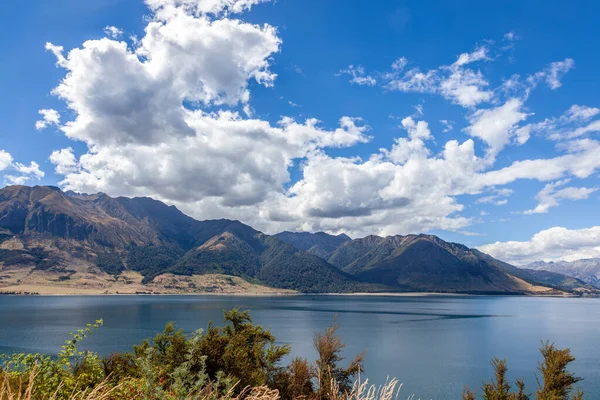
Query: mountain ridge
[587,269]
[56,232]
[63,239]
[417,262]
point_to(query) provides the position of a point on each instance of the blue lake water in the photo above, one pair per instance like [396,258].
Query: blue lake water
[433,345]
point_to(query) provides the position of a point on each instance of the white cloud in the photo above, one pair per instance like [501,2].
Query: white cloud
[556,71]
[399,64]
[16,173]
[65,161]
[113,32]
[499,197]
[584,130]
[553,74]
[26,173]
[121,96]
[49,117]
[582,161]
[6,160]
[164,119]
[497,126]
[455,82]
[358,75]
[552,244]
[550,196]
[448,125]
[198,7]
[511,36]
[571,124]
[581,113]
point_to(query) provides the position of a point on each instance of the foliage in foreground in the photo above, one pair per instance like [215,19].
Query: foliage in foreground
[557,383]
[237,361]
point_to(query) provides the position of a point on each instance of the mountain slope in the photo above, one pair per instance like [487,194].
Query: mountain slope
[319,244]
[69,236]
[546,278]
[424,262]
[427,263]
[587,270]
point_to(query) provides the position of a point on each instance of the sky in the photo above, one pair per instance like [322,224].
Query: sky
[475,121]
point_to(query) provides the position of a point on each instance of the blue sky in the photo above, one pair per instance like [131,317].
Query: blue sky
[201,116]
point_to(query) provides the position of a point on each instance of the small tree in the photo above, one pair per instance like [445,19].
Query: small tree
[557,381]
[331,376]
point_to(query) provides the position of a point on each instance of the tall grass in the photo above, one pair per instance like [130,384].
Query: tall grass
[24,389]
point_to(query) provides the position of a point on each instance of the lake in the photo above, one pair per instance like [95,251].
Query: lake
[434,345]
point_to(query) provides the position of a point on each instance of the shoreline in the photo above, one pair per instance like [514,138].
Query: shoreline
[286,294]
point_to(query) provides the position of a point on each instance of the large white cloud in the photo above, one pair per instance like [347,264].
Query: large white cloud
[552,244]
[163,118]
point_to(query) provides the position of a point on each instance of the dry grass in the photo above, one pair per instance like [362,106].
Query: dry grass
[390,390]
[26,391]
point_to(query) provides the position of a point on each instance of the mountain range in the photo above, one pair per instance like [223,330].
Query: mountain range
[55,241]
[586,270]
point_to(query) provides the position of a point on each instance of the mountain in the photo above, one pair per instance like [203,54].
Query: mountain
[96,241]
[53,241]
[587,270]
[547,278]
[427,263]
[319,244]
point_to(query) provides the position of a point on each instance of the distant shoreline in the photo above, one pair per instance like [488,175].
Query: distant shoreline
[284,294]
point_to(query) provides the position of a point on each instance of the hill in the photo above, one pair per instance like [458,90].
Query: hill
[96,241]
[427,263]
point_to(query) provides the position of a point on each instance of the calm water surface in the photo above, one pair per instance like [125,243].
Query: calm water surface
[434,345]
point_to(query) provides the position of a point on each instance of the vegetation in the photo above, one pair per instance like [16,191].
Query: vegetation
[151,261]
[556,384]
[33,256]
[237,361]
[110,262]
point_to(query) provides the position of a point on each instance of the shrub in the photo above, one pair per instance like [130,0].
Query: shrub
[557,383]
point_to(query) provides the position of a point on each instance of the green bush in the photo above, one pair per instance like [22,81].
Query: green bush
[557,383]
[237,361]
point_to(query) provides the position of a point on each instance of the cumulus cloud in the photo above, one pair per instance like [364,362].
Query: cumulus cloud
[122,96]
[498,126]
[554,244]
[49,117]
[164,118]
[65,161]
[550,195]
